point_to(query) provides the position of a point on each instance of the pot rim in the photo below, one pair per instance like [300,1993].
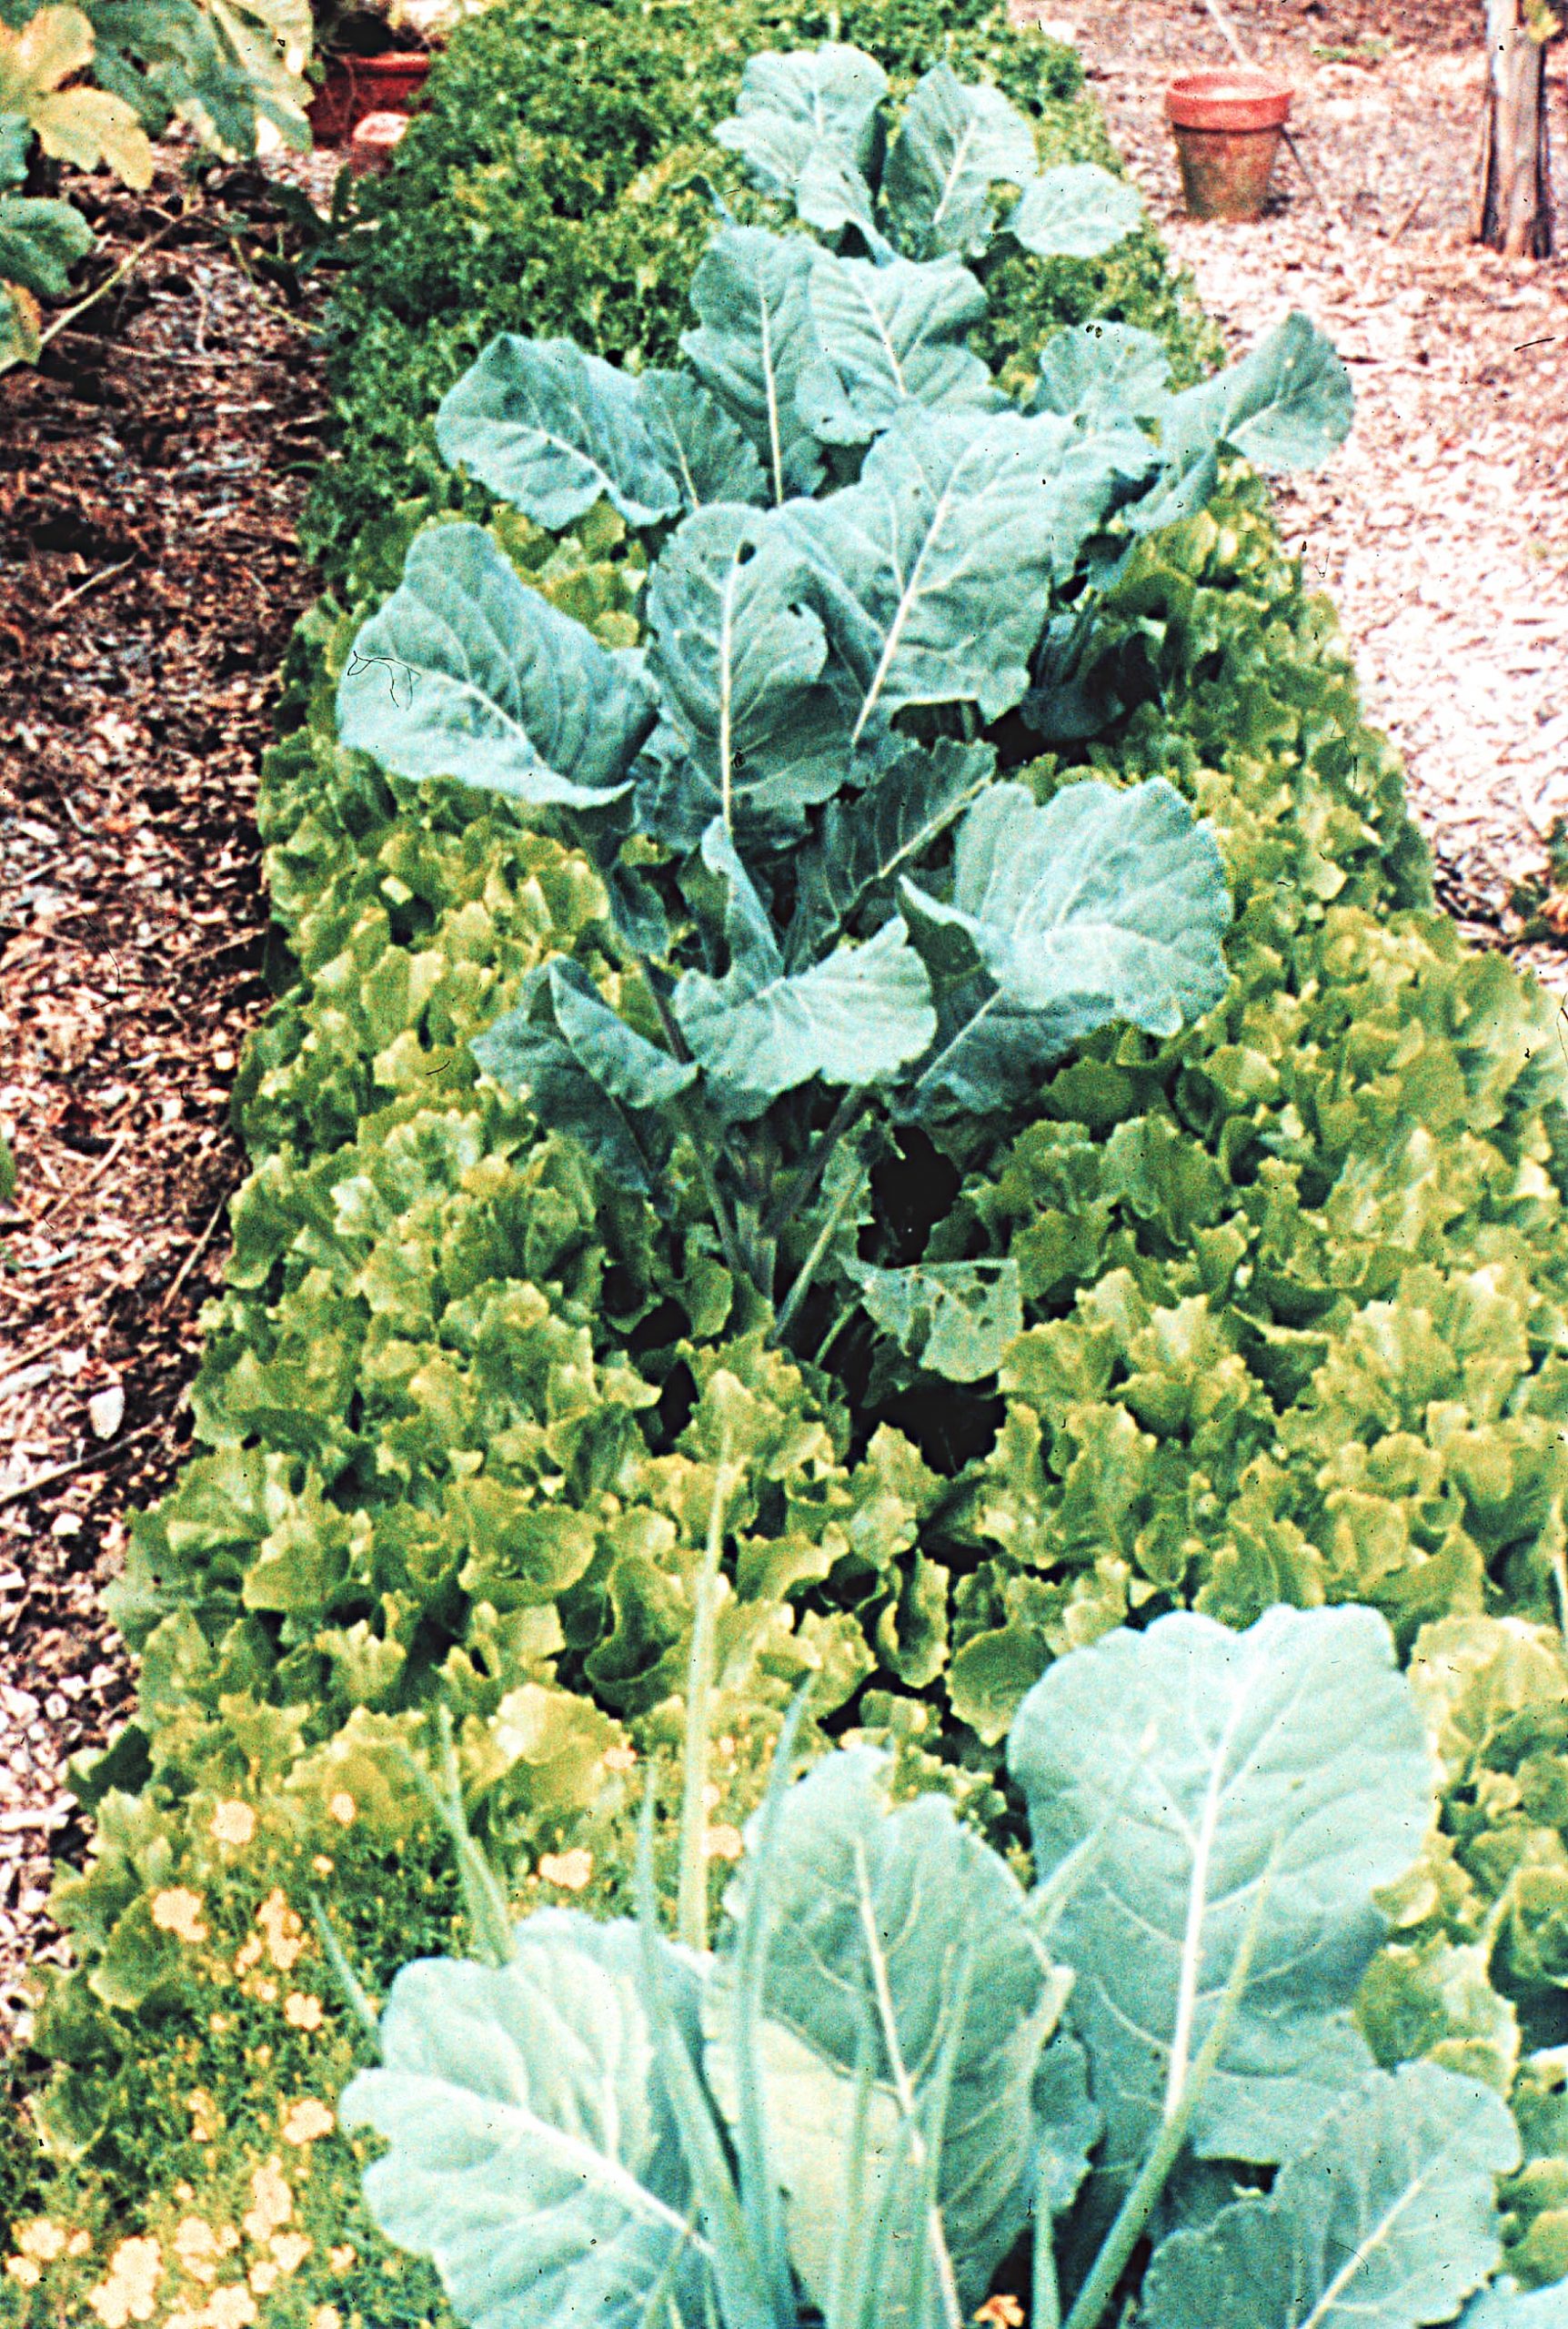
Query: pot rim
[1224,99]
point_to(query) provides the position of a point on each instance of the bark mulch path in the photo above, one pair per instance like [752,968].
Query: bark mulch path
[1441,532]
[150,474]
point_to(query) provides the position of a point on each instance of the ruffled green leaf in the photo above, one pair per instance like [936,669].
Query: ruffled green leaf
[40,241]
[1266,1781]
[954,143]
[467,673]
[534,2156]
[890,337]
[551,431]
[1075,211]
[1389,2220]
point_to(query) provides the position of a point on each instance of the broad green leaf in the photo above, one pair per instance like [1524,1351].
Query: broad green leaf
[869,1914]
[1271,1780]
[1101,905]
[831,193]
[1067,2122]
[954,143]
[40,239]
[1075,211]
[738,656]
[856,1017]
[467,673]
[953,1318]
[534,2155]
[1288,405]
[1098,374]
[1505,2305]
[551,429]
[750,294]
[933,573]
[586,1073]
[887,338]
[1388,2221]
[794,105]
[697,442]
[867,840]
[16,138]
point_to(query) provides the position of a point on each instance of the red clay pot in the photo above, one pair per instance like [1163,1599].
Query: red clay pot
[358,86]
[1228,126]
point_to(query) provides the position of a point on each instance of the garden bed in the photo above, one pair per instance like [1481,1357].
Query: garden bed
[437,1319]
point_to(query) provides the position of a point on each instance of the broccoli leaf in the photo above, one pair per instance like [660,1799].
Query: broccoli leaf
[891,1933]
[586,1073]
[750,294]
[1287,405]
[551,429]
[1248,1789]
[954,143]
[1101,905]
[866,842]
[467,673]
[534,2154]
[754,736]
[889,337]
[796,105]
[953,1318]
[1098,375]
[933,572]
[856,1017]
[1388,2221]
[697,442]
[1076,211]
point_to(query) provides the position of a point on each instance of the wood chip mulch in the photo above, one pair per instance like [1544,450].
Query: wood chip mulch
[151,471]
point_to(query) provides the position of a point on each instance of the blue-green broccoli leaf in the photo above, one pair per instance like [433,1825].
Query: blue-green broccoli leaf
[752,733]
[1098,375]
[854,1018]
[467,673]
[754,340]
[586,1073]
[866,842]
[535,2156]
[1075,211]
[1101,905]
[552,429]
[808,102]
[699,443]
[887,338]
[1287,405]
[952,1319]
[933,572]
[1245,1792]
[955,142]
[1388,2221]
[891,1932]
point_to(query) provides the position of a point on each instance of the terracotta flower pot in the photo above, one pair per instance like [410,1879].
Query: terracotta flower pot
[1228,127]
[355,87]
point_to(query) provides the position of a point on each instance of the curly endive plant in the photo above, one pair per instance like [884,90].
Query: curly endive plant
[844,912]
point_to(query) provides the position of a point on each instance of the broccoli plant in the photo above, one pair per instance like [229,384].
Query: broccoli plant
[845,917]
[897,2062]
